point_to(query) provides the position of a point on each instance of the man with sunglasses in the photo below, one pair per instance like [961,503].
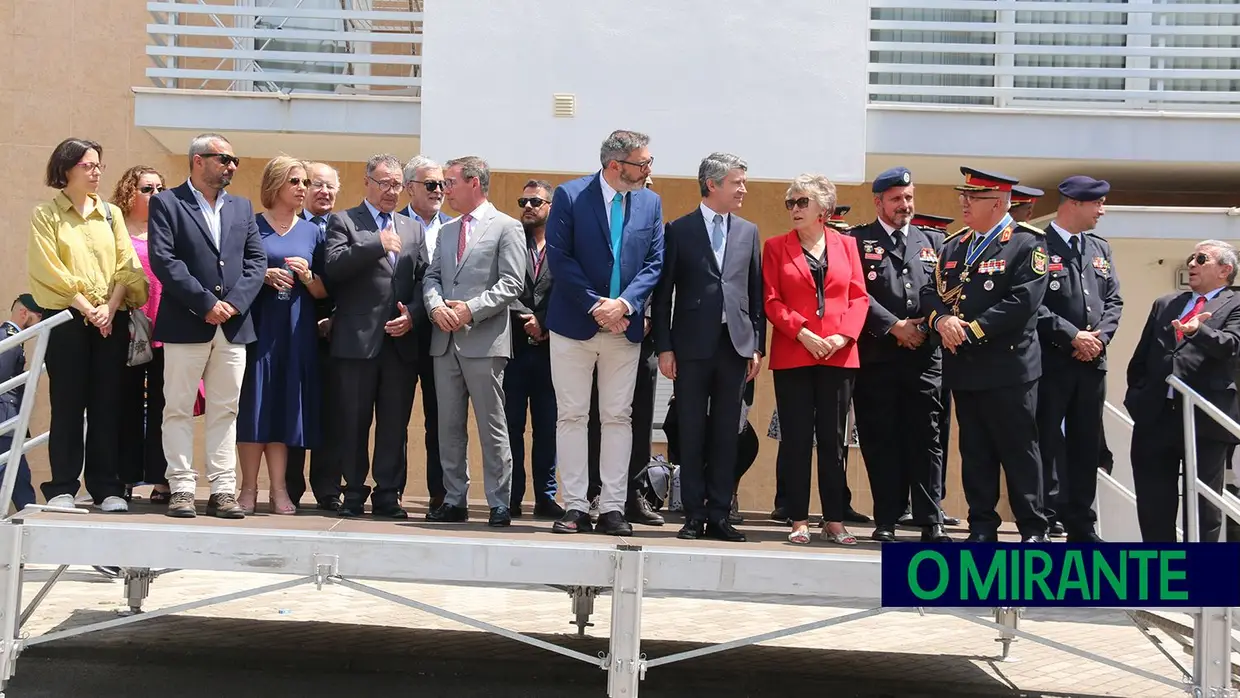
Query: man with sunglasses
[425,186]
[1195,336]
[605,248]
[1079,315]
[989,280]
[206,250]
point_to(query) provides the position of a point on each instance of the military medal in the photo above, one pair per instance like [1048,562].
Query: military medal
[989,285]
[872,275]
[1054,285]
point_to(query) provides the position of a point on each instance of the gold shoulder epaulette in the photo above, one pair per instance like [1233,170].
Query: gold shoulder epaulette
[958,232]
[1031,229]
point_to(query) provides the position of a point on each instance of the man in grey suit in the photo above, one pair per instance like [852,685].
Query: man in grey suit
[477,271]
[375,263]
[712,342]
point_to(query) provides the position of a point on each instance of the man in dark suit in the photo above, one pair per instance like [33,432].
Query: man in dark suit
[712,341]
[605,248]
[896,398]
[989,281]
[324,462]
[375,262]
[1079,316]
[527,379]
[206,251]
[1195,336]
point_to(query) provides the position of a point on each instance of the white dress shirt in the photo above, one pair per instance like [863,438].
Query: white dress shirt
[432,230]
[210,214]
[891,232]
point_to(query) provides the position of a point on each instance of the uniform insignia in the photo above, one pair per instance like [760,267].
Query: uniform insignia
[927,255]
[992,266]
[873,255]
[989,285]
[1103,265]
[9,330]
[1038,260]
[879,250]
[950,265]
[1056,267]
[963,231]
[1056,259]
[1054,285]
[1031,229]
[1007,235]
[872,275]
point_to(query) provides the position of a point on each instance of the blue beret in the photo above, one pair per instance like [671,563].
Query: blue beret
[895,177]
[1082,188]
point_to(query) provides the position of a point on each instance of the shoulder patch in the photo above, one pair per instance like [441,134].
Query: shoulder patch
[957,233]
[9,330]
[1033,229]
[1038,260]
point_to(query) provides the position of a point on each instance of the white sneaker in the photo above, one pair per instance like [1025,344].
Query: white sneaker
[62,501]
[114,504]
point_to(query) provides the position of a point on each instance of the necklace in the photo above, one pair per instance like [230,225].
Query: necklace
[281,227]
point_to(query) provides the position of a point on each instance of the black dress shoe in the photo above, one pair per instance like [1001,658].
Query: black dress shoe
[934,533]
[640,512]
[1090,537]
[720,529]
[548,509]
[612,523]
[514,511]
[981,537]
[328,504]
[351,510]
[950,520]
[500,517]
[573,521]
[854,516]
[389,511]
[906,519]
[435,503]
[1055,530]
[446,513]
[779,515]
[1035,538]
[692,530]
[884,534]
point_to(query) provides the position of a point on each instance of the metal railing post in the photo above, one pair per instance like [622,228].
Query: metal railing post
[1192,530]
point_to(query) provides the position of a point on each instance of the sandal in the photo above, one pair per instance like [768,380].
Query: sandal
[843,537]
[799,536]
[247,499]
[280,503]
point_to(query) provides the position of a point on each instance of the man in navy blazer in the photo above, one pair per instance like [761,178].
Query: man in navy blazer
[605,250]
[206,251]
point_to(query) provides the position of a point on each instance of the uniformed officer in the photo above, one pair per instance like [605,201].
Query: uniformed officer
[25,314]
[896,397]
[1023,199]
[1078,318]
[836,219]
[988,286]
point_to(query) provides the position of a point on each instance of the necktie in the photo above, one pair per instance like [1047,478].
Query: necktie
[617,231]
[716,239]
[897,238]
[460,240]
[1192,313]
[319,221]
[384,220]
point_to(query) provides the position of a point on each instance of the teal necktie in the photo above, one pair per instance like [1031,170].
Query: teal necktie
[617,230]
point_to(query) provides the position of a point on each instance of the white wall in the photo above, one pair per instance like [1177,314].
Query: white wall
[782,84]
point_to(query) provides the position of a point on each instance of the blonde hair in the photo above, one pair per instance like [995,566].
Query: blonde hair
[275,175]
[817,187]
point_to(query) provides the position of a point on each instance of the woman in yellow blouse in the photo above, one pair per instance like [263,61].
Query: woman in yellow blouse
[80,258]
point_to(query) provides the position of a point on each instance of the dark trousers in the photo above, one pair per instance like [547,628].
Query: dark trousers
[1106,459]
[813,401]
[746,444]
[527,384]
[1070,450]
[642,420]
[998,429]
[897,409]
[381,389]
[708,407]
[1158,480]
[86,375]
[23,490]
[324,460]
[142,458]
[430,413]
[945,434]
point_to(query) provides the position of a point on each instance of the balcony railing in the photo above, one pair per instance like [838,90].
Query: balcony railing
[288,46]
[1167,55]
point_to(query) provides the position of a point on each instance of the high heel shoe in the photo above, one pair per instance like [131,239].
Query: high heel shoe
[280,502]
[247,499]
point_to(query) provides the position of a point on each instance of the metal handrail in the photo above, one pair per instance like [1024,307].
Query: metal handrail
[1227,503]
[40,332]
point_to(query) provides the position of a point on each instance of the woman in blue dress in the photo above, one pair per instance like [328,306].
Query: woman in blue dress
[280,395]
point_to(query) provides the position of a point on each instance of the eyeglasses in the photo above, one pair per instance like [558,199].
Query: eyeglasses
[1201,258]
[533,202]
[298,181]
[643,165]
[970,198]
[92,166]
[319,184]
[225,158]
[156,188]
[430,184]
[392,185]
[802,202]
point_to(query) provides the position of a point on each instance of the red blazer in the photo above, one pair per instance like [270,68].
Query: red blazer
[792,301]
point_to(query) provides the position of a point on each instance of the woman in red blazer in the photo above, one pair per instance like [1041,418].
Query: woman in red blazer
[816,301]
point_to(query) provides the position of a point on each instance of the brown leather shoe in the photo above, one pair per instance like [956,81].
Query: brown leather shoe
[181,506]
[224,505]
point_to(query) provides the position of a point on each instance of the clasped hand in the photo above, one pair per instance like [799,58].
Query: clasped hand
[952,330]
[610,314]
[821,348]
[908,332]
[1086,346]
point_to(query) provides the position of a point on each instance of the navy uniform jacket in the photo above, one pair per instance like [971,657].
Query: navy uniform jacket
[12,362]
[1084,298]
[894,281]
[998,297]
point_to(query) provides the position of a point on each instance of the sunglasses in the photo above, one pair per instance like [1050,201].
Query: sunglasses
[1201,258]
[802,202]
[430,184]
[298,181]
[534,202]
[156,188]
[225,158]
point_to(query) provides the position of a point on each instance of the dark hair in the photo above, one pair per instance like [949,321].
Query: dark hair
[540,184]
[65,157]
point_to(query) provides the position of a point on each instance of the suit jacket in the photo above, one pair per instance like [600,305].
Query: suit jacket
[997,296]
[1078,299]
[792,299]
[196,274]
[1206,361]
[488,278]
[705,293]
[895,278]
[535,293]
[579,252]
[366,286]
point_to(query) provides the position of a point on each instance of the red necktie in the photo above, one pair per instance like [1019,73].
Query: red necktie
[1197,306]
[460,240]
